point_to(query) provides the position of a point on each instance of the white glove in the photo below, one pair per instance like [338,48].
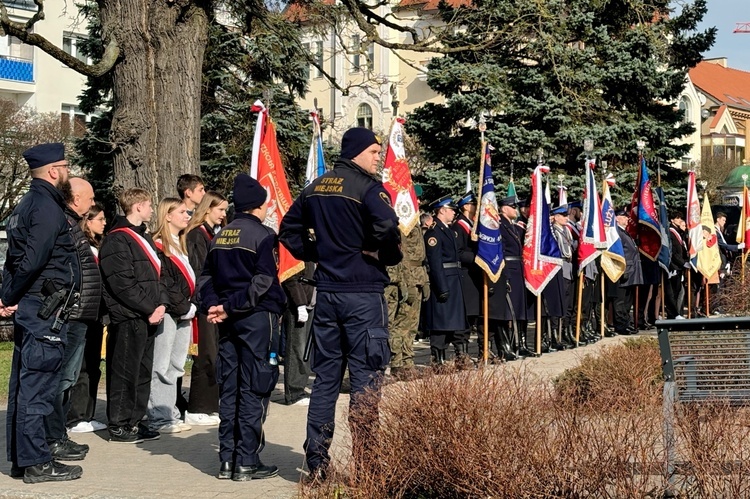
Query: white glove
[302,313]
[741,246]
[190,314]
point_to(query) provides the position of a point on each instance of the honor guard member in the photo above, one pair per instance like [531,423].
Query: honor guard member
[471,275]
[40,279]
[511,280]
[560,288]
[633,276]
[345,223]
[444,311]
[523,215]
[240,291]
[679,261]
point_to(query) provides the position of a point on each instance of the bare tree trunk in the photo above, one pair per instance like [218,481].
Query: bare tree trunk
[156,97]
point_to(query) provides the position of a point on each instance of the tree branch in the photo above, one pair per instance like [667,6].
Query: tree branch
[21,31]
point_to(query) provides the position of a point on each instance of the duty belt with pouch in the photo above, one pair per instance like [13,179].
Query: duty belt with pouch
[59,301]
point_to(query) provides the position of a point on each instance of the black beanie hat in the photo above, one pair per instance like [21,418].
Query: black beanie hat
[248,194]
[356,140]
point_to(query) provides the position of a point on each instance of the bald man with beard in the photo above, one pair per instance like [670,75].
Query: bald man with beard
[79,198]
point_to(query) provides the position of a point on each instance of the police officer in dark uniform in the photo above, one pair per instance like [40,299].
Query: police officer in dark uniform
[345,223]
[471,274]
[445,313]
[240,291]
[511,280]
[41,270]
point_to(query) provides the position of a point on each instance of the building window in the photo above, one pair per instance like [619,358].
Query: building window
[370,56]
[306,48]
[355,51]
[70,47]
[73,121]
[318,56]
[19,50]
[364,116]
[684,108]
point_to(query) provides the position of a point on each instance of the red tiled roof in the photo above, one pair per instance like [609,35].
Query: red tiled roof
[298,12]
[717,119]
[431,4]
[726,85]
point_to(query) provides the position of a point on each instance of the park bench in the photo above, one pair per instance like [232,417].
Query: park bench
[704,361]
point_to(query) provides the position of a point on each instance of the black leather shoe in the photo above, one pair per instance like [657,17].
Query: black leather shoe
[256,472]
[16,471]
[51,471]
[66,450]
[225,471]
[611,334]
[146,434]
[124,435]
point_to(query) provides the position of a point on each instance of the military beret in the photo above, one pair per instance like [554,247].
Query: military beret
[560,210]
[468,198]
[443,201]
[44,154]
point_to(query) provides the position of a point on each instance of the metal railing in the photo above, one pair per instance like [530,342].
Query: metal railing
[16,69]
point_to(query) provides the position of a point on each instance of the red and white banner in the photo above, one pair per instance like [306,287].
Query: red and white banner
[268,169]
[397,179]
[593,236]
[541,255]
[693,220]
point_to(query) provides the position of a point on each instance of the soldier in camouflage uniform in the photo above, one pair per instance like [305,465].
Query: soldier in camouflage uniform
[409,286]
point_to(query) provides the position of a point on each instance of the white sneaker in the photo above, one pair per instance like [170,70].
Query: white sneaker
[184,426]
[201,419]
[679,317]
[303,401]
[98,425]
[168,428]
[83,427]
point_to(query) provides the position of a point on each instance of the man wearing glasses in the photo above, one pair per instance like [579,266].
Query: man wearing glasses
[40,277]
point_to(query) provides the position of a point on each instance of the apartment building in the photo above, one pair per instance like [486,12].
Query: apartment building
[30,77]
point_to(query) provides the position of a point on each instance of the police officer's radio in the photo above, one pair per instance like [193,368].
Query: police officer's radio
[57,300]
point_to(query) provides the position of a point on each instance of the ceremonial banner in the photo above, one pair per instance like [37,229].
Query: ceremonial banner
[693,221]
[511,188]
[541,255]
[593,236]
[316,163]
[268,169]
[743,226]
[562,195]
[468,181]
[613,257]
[665,250]
[397,179]
[487,225]
[709,258]
[643,213]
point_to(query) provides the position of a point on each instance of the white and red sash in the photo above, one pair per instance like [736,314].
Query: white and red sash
[464,225]
[189,275]
[147,249]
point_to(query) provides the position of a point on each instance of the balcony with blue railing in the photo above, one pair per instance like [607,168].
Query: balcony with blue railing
[15,69]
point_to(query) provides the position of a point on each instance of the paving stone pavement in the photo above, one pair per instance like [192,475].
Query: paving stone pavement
[184,464]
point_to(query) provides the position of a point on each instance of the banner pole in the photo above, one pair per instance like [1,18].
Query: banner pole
[486,321]
[689,293]
[637,305]
[539,324]
[602,317]
[663,304]
[708,312]
[580,300]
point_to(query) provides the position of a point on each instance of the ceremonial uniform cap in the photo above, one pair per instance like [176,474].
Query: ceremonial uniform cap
[44,154]
[621,212]
[575,204]
[443,201]
[509,201]
[560,210]
[468,198]
[523,203]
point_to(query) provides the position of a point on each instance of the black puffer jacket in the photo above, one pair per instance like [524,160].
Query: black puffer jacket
[90,284]
[132,288]
[177,287]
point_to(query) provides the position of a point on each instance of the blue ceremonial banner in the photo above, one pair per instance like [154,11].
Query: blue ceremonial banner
[489,244]
[665,252]
[316,164]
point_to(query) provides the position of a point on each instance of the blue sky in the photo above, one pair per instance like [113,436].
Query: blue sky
[724,14]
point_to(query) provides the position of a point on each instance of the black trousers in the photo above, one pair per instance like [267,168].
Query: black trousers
[623,305]
[83,395]
[204,389]
[672,286]
[130,358]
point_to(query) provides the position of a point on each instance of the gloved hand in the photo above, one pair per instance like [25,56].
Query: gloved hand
[741,246]
[425,292]
[302,314]
[403,292]
[443,297]
[412,298]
